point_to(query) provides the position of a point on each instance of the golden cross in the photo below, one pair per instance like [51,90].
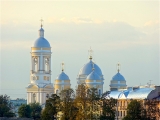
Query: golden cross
[90,53]
[41,22]
[118,66]
[62,66]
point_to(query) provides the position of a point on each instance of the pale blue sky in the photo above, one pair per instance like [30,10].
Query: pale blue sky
[124,31]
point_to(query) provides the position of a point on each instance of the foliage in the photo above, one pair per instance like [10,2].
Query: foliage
[93,98]
[134,111]
[152,110]
[51,108]
[86,101]
[67,104]
[108,107]
[35,110]
[24,111]
[5,107]
[81,101]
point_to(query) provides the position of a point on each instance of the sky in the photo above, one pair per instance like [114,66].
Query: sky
[117,31]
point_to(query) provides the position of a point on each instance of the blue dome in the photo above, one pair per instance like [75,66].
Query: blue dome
[118,77]
[62,76]
[87,69]
[93,76]
[41,42]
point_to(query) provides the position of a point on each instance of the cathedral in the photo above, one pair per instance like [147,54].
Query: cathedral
[41,87]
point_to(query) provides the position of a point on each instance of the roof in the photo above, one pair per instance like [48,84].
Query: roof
[139,93]
[118,77]
[87,69]
[41,41]
[93,76]
[62,76]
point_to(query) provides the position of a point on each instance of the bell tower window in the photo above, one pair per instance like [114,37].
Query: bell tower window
[35,64]
[46,66]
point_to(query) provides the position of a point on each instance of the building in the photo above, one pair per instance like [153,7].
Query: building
[62,82]
[40,86]
[118,81]
[124,96]
[91,75]
[16,104]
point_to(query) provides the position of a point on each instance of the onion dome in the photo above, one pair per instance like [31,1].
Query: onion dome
[41,41]
[118,77]
[62,76]
[87,69]
[93,76]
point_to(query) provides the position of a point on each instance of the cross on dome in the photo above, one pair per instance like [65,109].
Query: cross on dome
[90,53]
[118,67]
[41,22]
[62,66]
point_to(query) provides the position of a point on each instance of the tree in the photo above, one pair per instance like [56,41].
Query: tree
[108,107]
[5,107]
[152,109]
[51,108]
[93,98]
[67,104]
[134,111]
[35,110]
[86,101]
[24,111]
[81,101]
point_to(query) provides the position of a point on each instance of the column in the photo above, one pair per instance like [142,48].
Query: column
[50,63]
[30,97]
[41,62]
[27,98]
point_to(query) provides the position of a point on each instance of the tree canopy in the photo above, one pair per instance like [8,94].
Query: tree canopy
[51,108]
[24,111]
[134,111]
[35,110]
[5,107]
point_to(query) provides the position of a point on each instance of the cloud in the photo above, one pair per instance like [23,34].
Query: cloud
[82,20]
[151,23]
[70,36]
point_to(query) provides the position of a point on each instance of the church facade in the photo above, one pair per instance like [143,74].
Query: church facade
[41,87]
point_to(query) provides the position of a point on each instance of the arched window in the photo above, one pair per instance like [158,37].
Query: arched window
[46,66]
[35,64]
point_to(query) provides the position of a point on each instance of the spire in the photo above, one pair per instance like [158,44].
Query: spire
[62,66]
[90,53]
[118,67]
[41,31]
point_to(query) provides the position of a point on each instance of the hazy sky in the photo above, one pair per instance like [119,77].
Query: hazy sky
[125,31]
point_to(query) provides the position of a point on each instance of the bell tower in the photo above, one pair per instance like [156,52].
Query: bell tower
[40,86]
